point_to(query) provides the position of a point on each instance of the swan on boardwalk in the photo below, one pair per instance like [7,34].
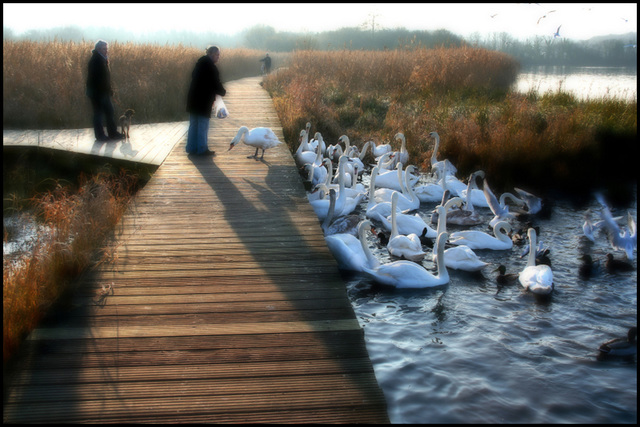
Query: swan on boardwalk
[481,240]
[466,215]
[499,208]
[350,252]
[408,274]
[440,165]
[624,240]
[621,347]
[536,278]
[347,224]
[400,245]
[261,138]
[459,257]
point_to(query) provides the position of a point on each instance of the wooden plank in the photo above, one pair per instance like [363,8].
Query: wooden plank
[225,304]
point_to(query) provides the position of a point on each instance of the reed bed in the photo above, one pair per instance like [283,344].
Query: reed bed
[78,223]
[546,142]
[44,82]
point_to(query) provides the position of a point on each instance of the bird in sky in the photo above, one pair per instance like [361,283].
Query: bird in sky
[557,33]
[544,16]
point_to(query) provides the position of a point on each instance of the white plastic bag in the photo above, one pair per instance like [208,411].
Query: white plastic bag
[219,108]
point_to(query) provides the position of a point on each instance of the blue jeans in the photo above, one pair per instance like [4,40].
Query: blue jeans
[102,106]
[198,134]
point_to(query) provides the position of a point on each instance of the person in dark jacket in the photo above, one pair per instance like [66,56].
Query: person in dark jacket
[205,85]
[267,64]
[99,92]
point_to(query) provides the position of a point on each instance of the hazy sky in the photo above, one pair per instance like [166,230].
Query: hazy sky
[522,20]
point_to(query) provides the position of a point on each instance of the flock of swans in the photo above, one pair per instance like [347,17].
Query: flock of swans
[395,190]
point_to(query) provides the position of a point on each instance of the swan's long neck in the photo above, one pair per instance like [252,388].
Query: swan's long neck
[318,160]
[328,166]
[332,207]
[408,188]
[362,228]
[394,204]
[400,180]
[531,260]
[372,188]
[468,203]
[342,197]
[510,196]
[442,220]
[434,158]
[500,231]
[442,268]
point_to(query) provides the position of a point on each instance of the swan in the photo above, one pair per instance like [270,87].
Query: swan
[318,140]
[347,224]
[625,240]
[466,215]
[317,170]
[304,154]
[499,208]
[477,195]
[481,240]
[430,192]
[459,257]
[304,139]
[440,165]
[358,156]
[386,161]
[352,253]
[394,179]
[588,228]
[408,274]
[379,150]
[533,203]
[407,200]
[536,278]
[402,156]
[408,224]
[262,138]
[402,246]
[321,206]
[624,346]
[376,211]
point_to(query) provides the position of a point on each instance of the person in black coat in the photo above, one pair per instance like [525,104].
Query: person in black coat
[267,64]
[205,85]
[99,92]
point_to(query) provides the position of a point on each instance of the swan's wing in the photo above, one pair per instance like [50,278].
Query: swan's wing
[494,205]
[534,203]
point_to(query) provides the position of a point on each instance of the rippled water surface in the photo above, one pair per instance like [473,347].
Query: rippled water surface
[471,352]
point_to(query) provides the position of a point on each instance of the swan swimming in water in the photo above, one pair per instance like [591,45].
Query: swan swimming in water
[625,240]
[466,215]
[408,274]
[481,240]
[347,224]
[262,138]
[402,246]
[440,165]
[352,253]
[536,278]
[499,208]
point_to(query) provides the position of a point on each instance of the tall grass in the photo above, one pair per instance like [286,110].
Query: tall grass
[549,141]
[78,223]
[44,82]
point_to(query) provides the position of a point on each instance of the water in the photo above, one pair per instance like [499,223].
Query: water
[584,82]
[471,352]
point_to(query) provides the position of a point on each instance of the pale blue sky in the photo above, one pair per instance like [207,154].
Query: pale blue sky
[522,20]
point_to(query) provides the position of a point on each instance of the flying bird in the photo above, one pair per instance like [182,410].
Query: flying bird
[544,16]
[557,33]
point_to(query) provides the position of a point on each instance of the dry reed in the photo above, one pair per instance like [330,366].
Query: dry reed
[78,223]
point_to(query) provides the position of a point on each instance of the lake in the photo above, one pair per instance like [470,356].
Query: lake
[584,82]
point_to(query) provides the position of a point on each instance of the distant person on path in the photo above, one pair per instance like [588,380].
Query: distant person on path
[267,64]
[205,85]
[100,92]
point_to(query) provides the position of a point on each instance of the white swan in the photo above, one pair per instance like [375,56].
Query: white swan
[534,203]
[318,140]
[481,240]
[350,252]
[430,192]
[347,224]
[394,179]
[536,278]
[407,200]
[458,257]
[402,156]
[477,196]
[317,170]
[379,150]
[261,138]
[386,162]
[440,165]
[401,246]
[304,139]
[321,206]
[408,274]
[376,211]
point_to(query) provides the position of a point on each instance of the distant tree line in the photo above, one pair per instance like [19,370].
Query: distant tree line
[619,50]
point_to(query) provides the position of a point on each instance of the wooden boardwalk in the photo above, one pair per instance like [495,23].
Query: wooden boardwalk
[226,304]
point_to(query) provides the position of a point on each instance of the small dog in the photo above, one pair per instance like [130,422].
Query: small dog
[125,122]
